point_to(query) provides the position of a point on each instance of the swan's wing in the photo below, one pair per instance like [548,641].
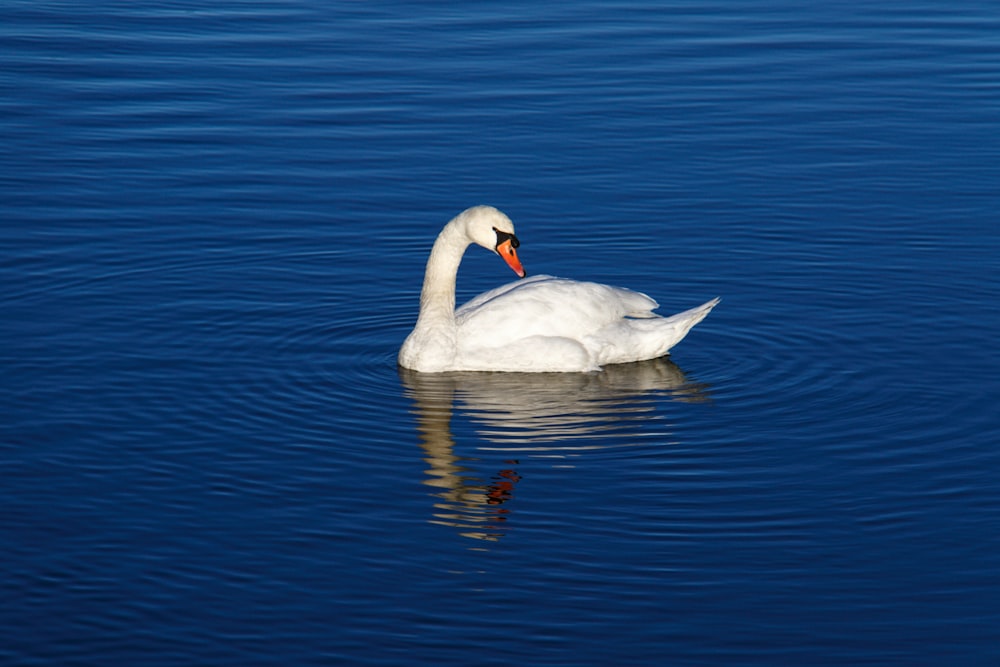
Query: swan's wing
[635,340]
[480,299]
[546,306]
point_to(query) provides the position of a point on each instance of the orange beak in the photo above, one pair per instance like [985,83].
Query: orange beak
[509,255]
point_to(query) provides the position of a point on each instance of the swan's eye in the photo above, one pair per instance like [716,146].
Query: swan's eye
[504,236]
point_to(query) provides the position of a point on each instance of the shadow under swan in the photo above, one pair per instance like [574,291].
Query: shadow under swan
[536,414]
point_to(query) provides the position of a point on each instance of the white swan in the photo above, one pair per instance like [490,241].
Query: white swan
[537,324]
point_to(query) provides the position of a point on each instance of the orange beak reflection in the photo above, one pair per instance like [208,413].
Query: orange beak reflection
[509,255]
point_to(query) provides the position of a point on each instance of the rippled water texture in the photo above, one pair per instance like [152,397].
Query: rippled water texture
[214,221]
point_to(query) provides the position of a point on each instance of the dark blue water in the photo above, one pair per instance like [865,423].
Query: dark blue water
[214,224]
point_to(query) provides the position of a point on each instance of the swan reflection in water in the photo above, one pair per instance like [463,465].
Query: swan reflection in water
[537,414]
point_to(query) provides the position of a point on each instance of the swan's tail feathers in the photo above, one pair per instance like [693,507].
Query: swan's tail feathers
[639,339]
[691,317]
[677,326]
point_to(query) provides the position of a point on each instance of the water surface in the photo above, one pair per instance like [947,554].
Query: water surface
[214,224]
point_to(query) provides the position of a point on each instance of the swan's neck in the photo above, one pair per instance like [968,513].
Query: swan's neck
[437,298]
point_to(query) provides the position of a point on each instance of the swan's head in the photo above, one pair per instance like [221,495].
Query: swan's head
[488,227]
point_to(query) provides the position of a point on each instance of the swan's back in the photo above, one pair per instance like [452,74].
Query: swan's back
[548,306]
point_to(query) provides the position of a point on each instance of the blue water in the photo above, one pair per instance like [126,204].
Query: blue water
[214,224]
